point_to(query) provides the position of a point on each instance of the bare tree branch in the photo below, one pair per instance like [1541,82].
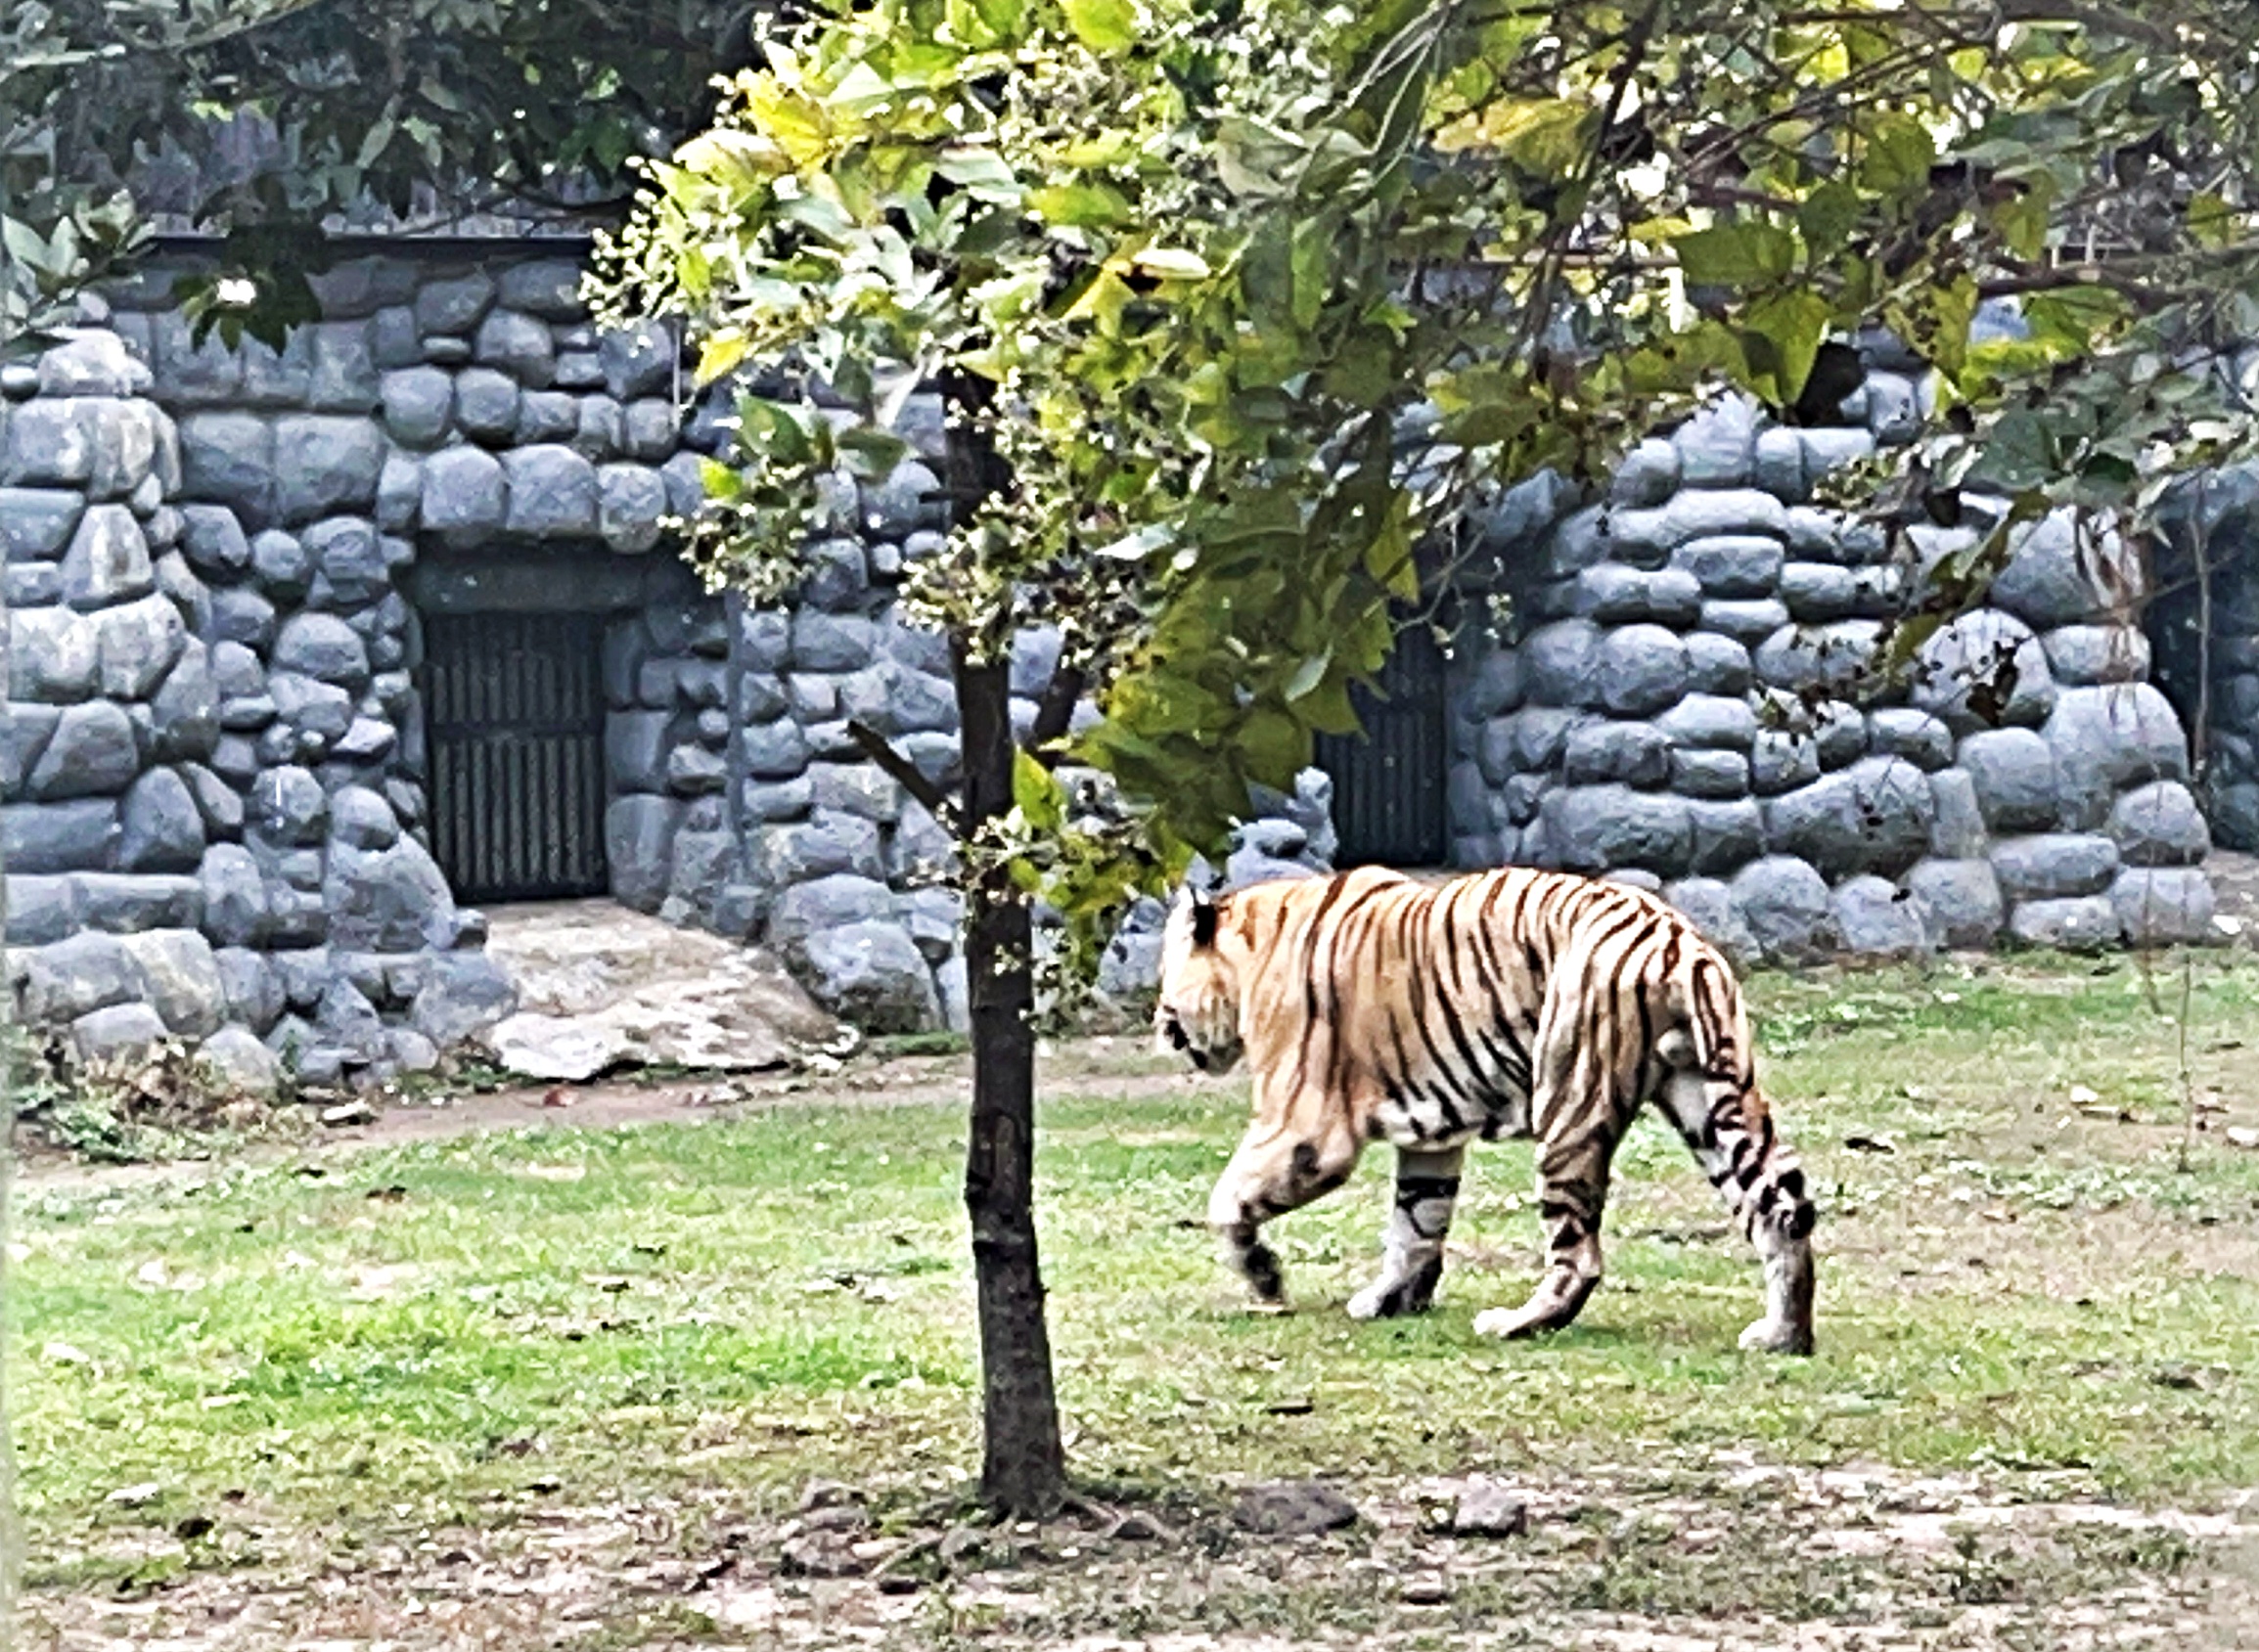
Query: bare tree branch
[911,777]
[1054,710]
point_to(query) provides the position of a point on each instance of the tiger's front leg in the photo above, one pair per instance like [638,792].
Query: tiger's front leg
[1426,1192]
[1272,1172]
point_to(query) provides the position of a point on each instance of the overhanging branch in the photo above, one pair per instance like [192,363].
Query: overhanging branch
[1055,711]
[907,773]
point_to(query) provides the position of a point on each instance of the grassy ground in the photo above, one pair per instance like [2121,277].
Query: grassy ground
[406,1391]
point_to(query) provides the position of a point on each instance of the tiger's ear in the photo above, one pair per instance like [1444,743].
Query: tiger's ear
[1204,920]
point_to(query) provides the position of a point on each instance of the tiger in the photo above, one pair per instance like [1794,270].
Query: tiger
[1516,1002]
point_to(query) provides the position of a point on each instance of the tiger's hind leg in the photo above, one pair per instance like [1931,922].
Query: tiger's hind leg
[1427,1190]
[1727,1125]
[1572,1189]
[1578,1114]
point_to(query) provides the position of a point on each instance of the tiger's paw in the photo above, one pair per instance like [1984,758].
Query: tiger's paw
[1384,1301]
[1555,1303]
[1511,1322]
[1777,1336]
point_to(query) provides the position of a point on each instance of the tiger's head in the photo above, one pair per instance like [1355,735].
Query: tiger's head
[1199,1012]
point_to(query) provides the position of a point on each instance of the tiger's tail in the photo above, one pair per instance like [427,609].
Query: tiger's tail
[1713,1100]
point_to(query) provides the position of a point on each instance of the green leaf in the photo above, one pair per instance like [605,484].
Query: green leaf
[1174,263]
[2021,220]
[1827,216]
[1389,555]
[794,119]
[1006,16]
[1036,792]
[861,91]
[720,353]
[1897,157]
[1267,270]
[820,213]
[1313,270]
[1137,547]
[1103,302]
[718,481]
[1308,675]
[373,141]
[982,173]
[1276,746]
[1010,295]
[775,430]
[1946,311]
[23,243]
[2212,222]
[1780,335]
[2018,452]
[1545,138]
[1091,204]
[1741,255]
[1103,25]
[2076,319]
[1485,404]
[1253,160]
[1329,708]
[871,454]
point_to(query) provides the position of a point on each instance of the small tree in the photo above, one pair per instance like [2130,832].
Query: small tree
[1028,206]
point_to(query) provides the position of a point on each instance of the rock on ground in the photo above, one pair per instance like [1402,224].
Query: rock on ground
[599,986]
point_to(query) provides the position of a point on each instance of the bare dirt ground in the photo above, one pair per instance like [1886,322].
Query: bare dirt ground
[1724,1560]
[1097,1067]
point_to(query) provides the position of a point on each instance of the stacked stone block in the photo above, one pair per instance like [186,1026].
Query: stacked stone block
[203,832]
[1694,709]
[2207,578]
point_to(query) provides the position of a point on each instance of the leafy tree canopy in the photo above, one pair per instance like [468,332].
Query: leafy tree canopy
[268,119]
[1202,258]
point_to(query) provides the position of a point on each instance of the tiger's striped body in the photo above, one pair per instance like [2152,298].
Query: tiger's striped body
[1513,1002]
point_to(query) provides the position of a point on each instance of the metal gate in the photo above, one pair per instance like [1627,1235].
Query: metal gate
[1389,781]
[513,707]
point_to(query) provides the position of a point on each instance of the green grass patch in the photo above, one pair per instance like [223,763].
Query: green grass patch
[423,1334]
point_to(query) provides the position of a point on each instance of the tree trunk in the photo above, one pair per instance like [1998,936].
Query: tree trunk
[1023,1465]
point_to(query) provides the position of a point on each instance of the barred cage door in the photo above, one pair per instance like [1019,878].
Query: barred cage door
[513,707]
[1389,781]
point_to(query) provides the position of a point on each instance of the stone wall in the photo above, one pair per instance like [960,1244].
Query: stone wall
[220,561]
[455,435]
[1677,711]
[205,776]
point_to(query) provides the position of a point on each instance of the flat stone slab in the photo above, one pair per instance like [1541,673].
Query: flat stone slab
[600,986]
[1292,1508]
[1489,1508]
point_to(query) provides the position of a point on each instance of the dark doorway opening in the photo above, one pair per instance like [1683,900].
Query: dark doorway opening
[2207,677]
[1389,781]
[514,708]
